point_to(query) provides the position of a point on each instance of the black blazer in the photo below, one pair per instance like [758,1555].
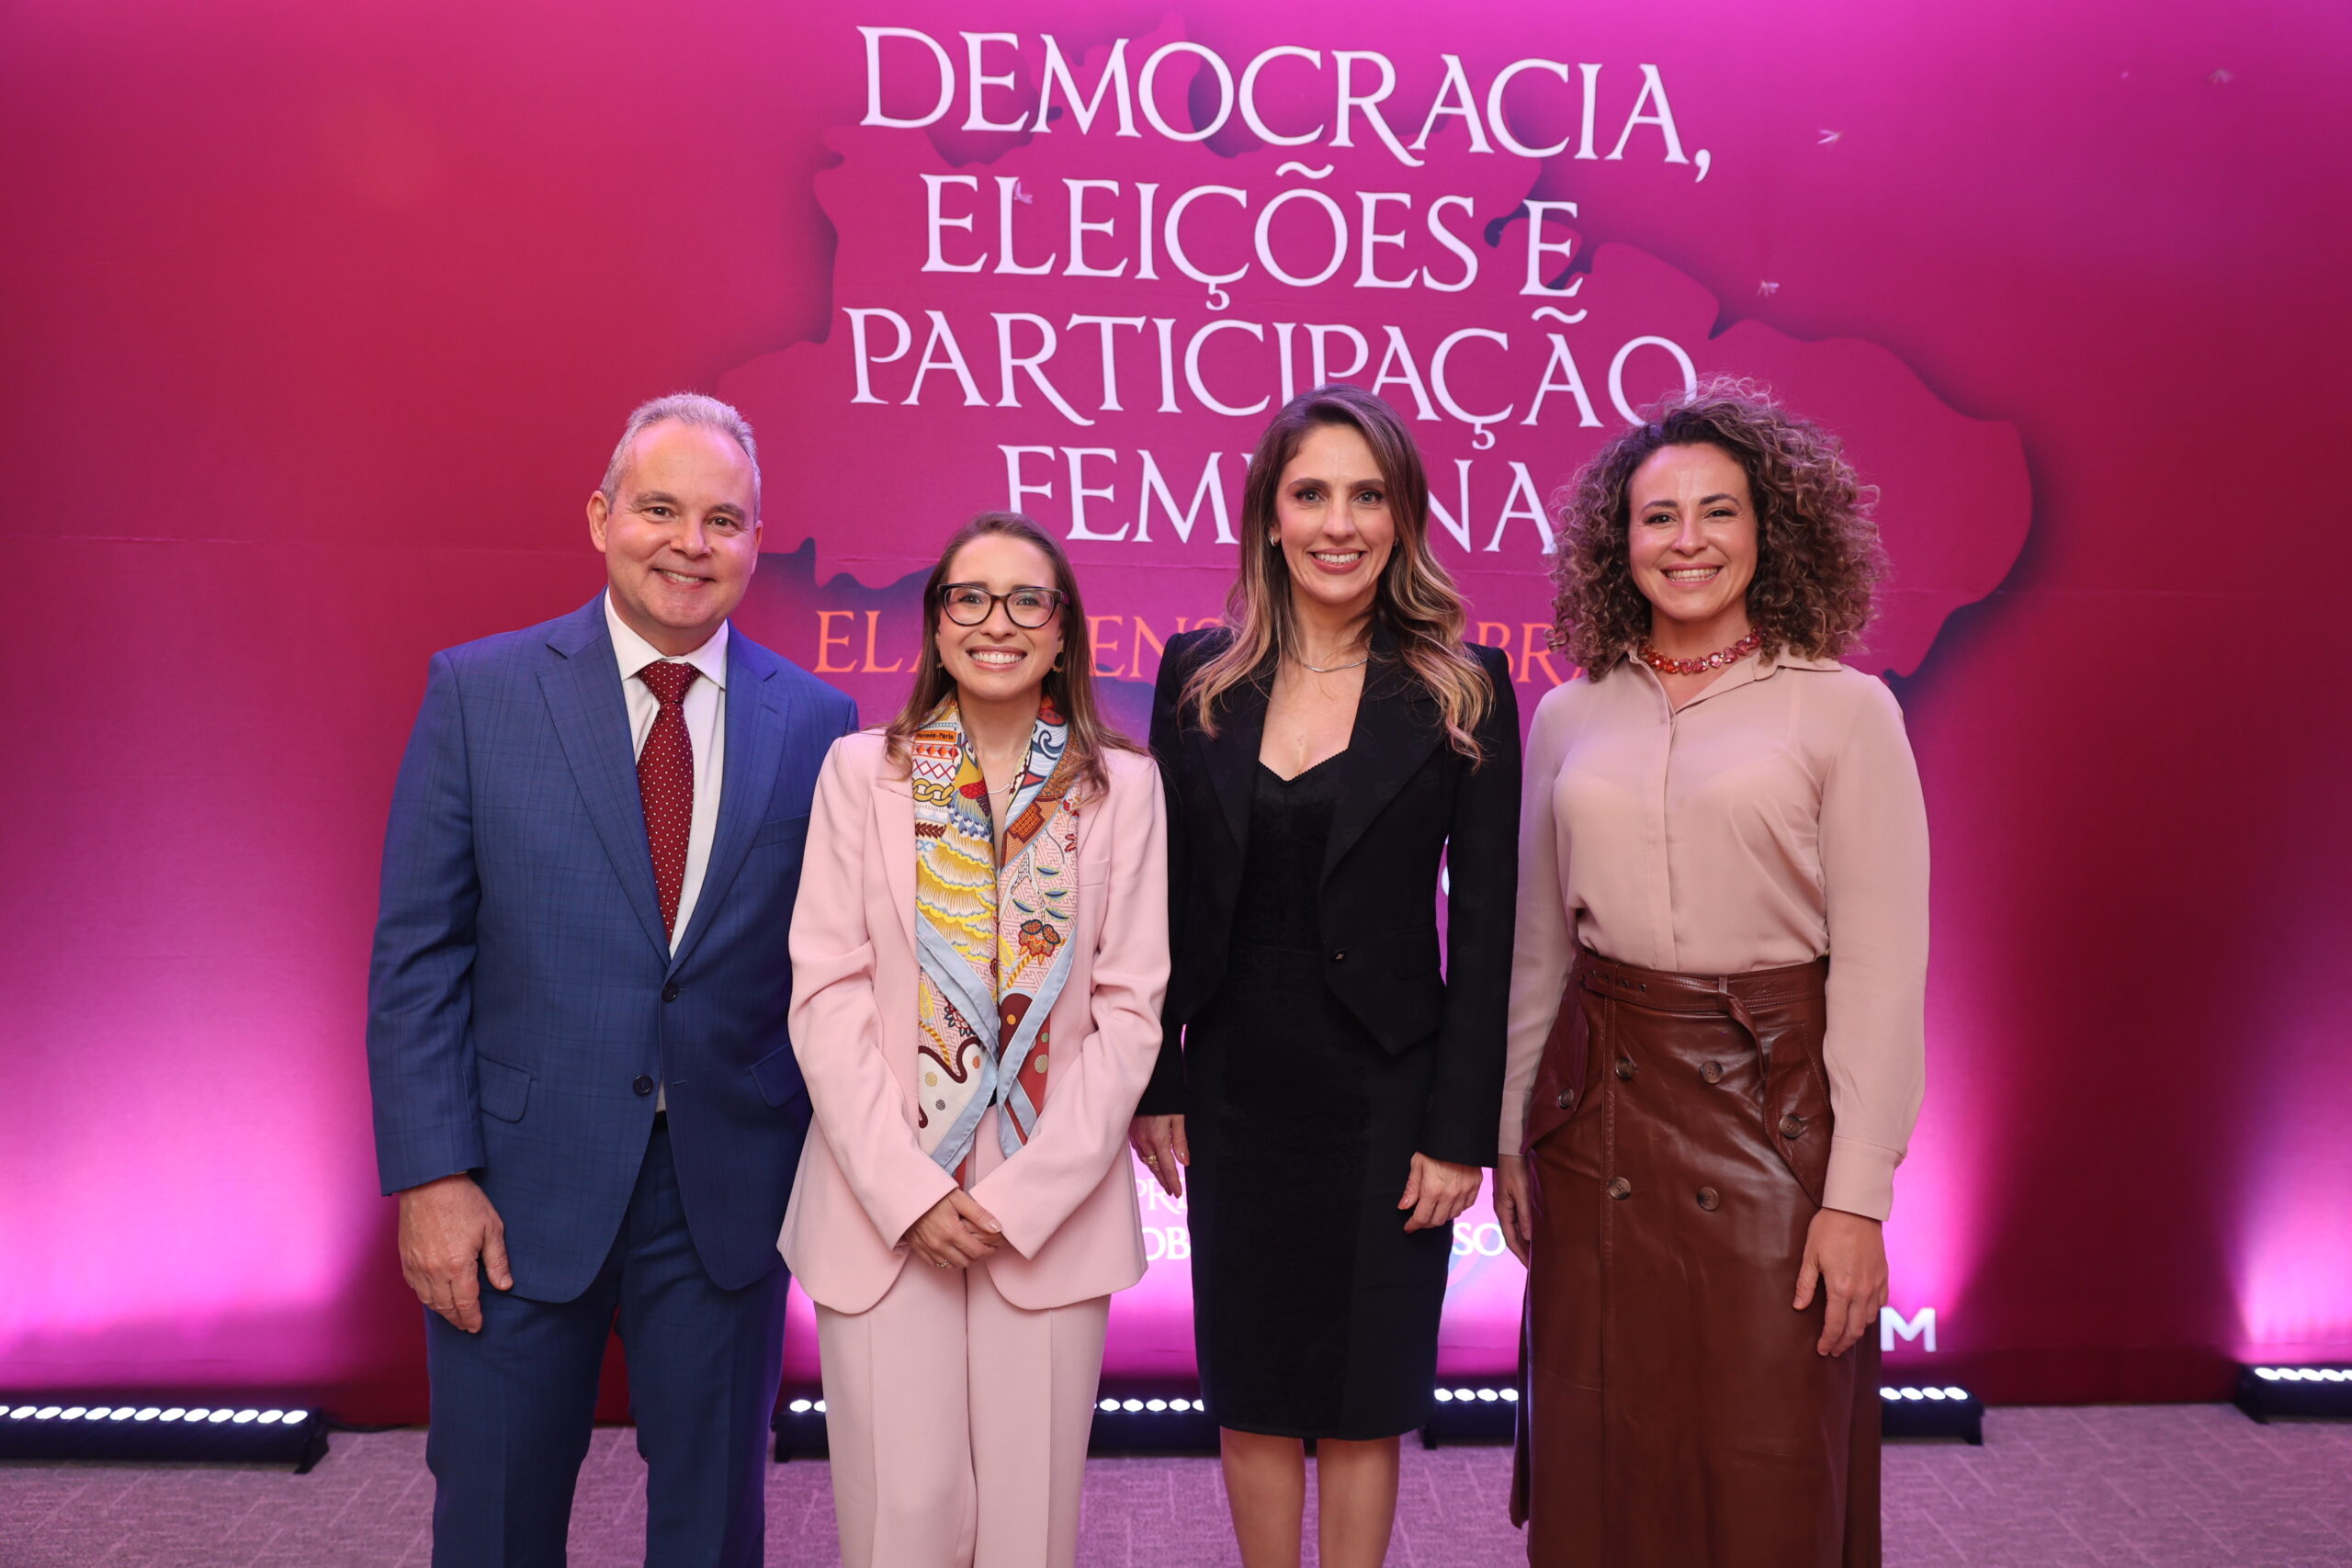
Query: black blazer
[1407,796]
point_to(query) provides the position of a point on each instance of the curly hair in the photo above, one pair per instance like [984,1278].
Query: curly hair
[1817,554]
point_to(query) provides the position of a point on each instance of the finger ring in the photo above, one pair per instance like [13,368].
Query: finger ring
[1151,1159]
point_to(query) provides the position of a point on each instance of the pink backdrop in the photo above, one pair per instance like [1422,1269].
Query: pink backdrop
[321,321]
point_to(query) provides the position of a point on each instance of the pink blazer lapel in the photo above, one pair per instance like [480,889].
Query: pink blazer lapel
[894,821]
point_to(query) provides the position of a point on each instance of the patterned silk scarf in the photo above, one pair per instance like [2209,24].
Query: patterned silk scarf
[993,943]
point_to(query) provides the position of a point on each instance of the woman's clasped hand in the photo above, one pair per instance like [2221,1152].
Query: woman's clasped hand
[954,1232]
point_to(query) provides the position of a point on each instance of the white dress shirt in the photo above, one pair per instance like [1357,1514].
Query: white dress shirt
[706,714]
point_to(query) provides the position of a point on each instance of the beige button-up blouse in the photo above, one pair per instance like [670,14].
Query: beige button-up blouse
[1776,817]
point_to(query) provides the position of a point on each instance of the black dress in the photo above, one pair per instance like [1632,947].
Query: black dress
[1314,1041]
[1314,1314]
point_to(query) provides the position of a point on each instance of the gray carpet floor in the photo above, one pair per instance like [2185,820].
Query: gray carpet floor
[2163,1486]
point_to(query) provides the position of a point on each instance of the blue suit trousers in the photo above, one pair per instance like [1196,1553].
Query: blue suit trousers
[512,1405]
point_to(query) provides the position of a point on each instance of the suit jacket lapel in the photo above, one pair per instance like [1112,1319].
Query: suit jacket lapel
[758,718]
[894,822]
[1232,754]
[583,687]
[1397,726]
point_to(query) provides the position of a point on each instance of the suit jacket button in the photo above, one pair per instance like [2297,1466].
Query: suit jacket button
[670,992]
[1708,1199]
[1625,1069]
[1792,1126]
[1712,1072]
[1620,1188]
[642,1084]
[1341,956]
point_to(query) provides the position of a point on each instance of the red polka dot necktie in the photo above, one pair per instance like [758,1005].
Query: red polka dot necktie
[665,784]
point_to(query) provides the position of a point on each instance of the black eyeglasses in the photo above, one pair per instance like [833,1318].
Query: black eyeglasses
[969,604]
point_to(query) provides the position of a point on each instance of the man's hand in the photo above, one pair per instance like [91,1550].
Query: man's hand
[1512,1210]
[1159,1142]
[954,1232]
[1846,1254]
[450,1237]
[1437,1192]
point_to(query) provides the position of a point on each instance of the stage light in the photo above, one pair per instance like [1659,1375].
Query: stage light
[1145,1421]
[800,1427]
[1483,1415]
[1937,1410]
[170,1434]
[1140,1422]
[2308,1392]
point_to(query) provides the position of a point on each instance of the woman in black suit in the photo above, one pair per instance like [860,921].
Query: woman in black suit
[1330,1093]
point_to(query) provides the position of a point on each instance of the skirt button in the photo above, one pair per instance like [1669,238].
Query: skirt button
[1792,1126]
[1567,1098]
[1625,1069]
[1708,1199]
[1712,1072]
[1620,1188]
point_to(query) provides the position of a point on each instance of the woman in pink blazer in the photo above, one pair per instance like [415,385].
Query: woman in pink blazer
[978,952]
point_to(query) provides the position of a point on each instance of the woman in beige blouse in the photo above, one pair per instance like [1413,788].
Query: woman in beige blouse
[1716,998]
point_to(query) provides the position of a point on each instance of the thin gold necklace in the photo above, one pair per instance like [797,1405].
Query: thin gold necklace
[1019,764]
[1330,670]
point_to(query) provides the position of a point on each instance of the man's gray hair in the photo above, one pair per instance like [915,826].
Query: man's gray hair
[686,407]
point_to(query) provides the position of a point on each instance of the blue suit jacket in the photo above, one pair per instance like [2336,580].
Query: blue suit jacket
[522,988]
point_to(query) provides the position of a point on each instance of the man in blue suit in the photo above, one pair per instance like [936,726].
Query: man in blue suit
[583,1091]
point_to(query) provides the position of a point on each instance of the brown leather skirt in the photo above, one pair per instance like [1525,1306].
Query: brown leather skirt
[1674,1411]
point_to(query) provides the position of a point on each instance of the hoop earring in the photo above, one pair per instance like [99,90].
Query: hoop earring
[1057,663]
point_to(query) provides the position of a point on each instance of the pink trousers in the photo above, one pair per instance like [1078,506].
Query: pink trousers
[959,1423]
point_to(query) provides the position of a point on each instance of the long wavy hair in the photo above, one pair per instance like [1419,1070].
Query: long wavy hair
[1070,685]
[1817,552]
[1415,600]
